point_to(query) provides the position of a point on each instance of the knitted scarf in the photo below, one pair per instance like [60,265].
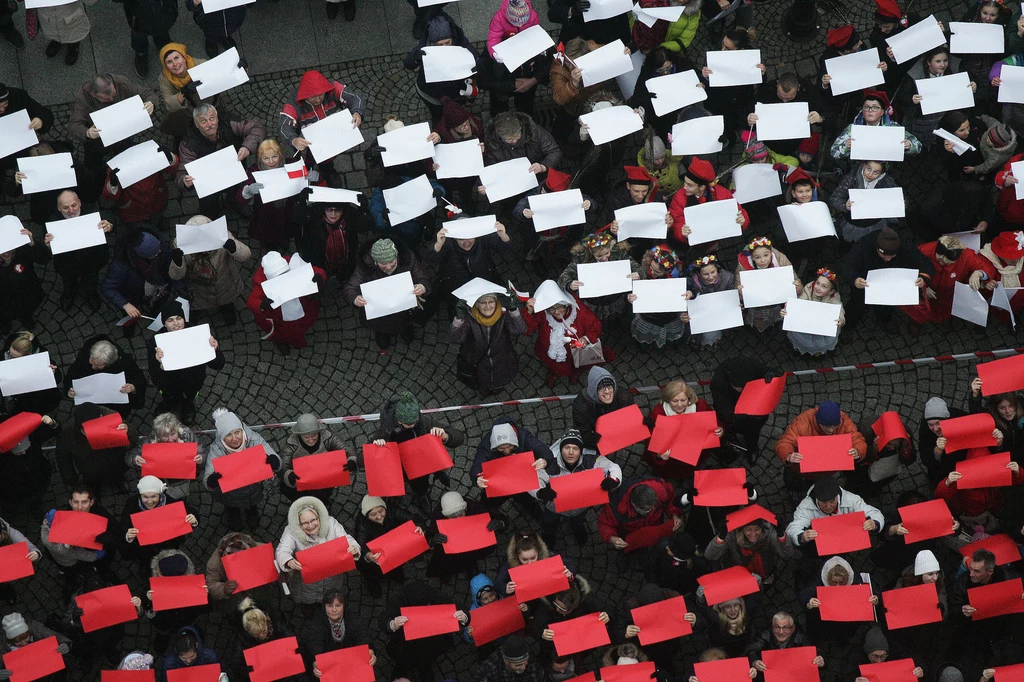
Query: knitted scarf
[486,321]
[178,82]
[1009,272]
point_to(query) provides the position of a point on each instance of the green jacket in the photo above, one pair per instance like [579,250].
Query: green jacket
[667,177]
[681,32]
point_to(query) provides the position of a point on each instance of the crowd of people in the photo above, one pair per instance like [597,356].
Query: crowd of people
[966,230]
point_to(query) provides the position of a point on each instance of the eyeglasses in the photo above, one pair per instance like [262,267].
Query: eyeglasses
[307,524]
[872,108]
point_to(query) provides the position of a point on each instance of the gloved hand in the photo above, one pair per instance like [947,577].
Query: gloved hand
[313,175]
[77,612]
[385,212]
[100,553]
[438,192]
[581,5]
[271,461]
[363,201]
[168,154]
[112,177]
[779,167]
[214,480]
[440,539]
[461,310]
[547,494]
[318,279]
[609,483]
[178,257]
[242,64]
[5,674]
[469,89]
[49,517]
[661,676]
[191,86]
[266,305]
[230,245]
[652,95]
[495,524]
[509,302]
[230,586]
[306,192]
[249,191]
[352,466]
[63,648]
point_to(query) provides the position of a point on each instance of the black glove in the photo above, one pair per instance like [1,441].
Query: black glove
[271,461]
[214,480]
[440,538]
[306,193]
[581,5]
[438,192]
[230,245]
[385,212]
[266,305]
[546,494]
[661,676]
[495,524]
[77,612]
[352,466]
[242,64]
[508,302]
[363,201]
[168,154]
[724,139]
[423,53]
[461,310]
[609,483]
[652,95]
[112,177]
[192,86]
[318,279]
[178,256]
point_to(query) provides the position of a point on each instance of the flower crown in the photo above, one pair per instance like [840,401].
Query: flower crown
[706,260]
[666,258]
[827,274]
[760,241]
[597,240]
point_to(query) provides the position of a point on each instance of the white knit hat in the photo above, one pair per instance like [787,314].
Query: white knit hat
[225,421]
[14,625]
[502,434]
[274,264]
[452,503]
[925,562]
[151,484]
[370,502]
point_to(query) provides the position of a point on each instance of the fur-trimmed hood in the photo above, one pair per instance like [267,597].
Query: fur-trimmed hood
[295,528]
[246,540]
[510,551]
[154,563]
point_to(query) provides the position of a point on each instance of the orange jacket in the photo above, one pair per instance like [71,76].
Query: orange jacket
[805,424]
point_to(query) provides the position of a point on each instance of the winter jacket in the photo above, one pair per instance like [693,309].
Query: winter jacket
[488,359]
[512,560]
[20,290]
[768,93]
[995,156]
[204,654]
[545,613]
[67,556]
[317,637]
[177,489]
[808,510]
[589,459]
[125,281]
[86,104]
[974,501]
[806,425]
[390,430]
[571,98]
[297,112]
[231,133]
[366,530]
[535,144]
[433,92]
[145,554]
[216,577]
[596,33]
[37,632]
[367,271]
[863,256]
[169,94]
[944,281]
[294,449]
[669,178]
[839,150]
[66,24]
[1010,208]
[295,539]
[680,200]
[586,325]
[142,200]
[186,382]
[89,260]
[18,99]
[605,307]
[216,25]
[619,519]
[15,536]
[500,29]
[40,402]
[212,277]
[917,122]
[152,17]
[248,496]
[77,460]
[291,332]
[271,223]
[458,266]
[760,558]
[409,232]
[315,233]
[587,409]
[766,641]
[680,33]
[851,229]
[527,443]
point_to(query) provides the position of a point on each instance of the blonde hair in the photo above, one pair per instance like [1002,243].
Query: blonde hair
[838,571]
[255,621]
[22,343]
[269,144]
[674,388]
[739,625]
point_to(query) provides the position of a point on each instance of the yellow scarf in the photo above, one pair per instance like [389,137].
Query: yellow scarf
[486,321]
[177,81]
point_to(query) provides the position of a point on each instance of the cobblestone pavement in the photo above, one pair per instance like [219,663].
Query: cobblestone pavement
[341,373]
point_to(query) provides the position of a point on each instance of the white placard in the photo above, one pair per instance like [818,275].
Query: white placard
[734,67]
[72,234]
[1001,299]
[642,221]
[756,181]
[522,47]
[409,200]
[15,133]
[471,228]
[47,172]
[37,4]
[507,179]
[101,388]
[607,61]
[651,15]
[698,136]
[811,317]
[855,71]
[121,120]
[916,40]
[1011,85]
[388,295]
[877,143]
[770,286]
[548,294]
[406,144]
[443,63]
[712,220]
[969,304]
[675,91]
[666,295]
[459,159]
[611,123]
[1017,171]
[27,374]
[475,288]
[138,163]
[291,285]
[331,136]
[604,279]
[10,233]
[188,347]
[807,221]
[785,121]
[332,195]
[627,81]
[875,204]
[945,93]
[976,38]
[277,184]
[555,209]
[201,238]
[219,74]
[217,5]
[606,9]
[215,172]
[431,3]
[972,240]
[959,146]
[892,286]
[715,311]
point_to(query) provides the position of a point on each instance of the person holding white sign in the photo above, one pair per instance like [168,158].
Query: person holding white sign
[840,42]
[486,331]
[733,101]
[599,247]
[699,187]
[935,63]
[978,66]
[640,187]
[953,263]
[271,222]
[177,89]
[513,18]
[313,100]
[556,181]
[101,355]
[287,325]
[785,89]
[759,254]
[20,290]
[16,99]
[19,345]
[79,270]
[660,263]
[218,25]
[867,175]
[823,289]
[875,111]
[457,125]
[97,93]
[442,31]
[212,277]
[707,277]
[138,279]
[461,260]
[144,200]
[515,136]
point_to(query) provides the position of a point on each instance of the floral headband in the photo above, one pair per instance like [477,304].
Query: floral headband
[665,258]
[706,260]
[827,274]
[597,240]
[760,241]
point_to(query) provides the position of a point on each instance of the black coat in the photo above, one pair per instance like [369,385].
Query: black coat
[863,256]
[76,459]
[20,290]
[317,635]
[767,93]
[487,355]
[125,363]
[602,31]
[458,266]
[185,383]
[40,402]
[152,17]
[586,411]
[19,99]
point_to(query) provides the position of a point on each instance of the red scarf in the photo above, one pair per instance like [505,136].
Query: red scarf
[337,246]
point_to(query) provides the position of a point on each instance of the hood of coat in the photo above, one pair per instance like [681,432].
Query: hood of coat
[318,507]
[477,583]
[313,83]
[243,540]
[154,563]
[837,561]
[594,377]
[738,371]
[295,441]
[510,551]
[987,145]
[582,583]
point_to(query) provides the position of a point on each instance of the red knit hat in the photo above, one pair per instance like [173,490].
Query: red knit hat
[841,37]
[810,145]
[638,175]
[701,171]
[453,113]
[1009,245]
[557,181]
[888,8]
[313,83]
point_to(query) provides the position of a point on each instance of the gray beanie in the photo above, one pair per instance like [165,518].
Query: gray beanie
[875,640]
[14,625]
[654,149]
[306,424]
[503,434]
[936,408]
[225,422]
[951,673]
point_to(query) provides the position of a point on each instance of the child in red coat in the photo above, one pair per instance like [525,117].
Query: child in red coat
[285,326]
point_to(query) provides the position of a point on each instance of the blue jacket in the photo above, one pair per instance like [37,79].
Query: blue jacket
[527,442]
[125,283]
[476,584]
[382,225]
[205,655]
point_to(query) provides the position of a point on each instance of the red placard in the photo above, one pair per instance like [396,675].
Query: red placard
[398,546]
[579,490]
[825,453]
[323,471]
[178,592]
[102,432]
[579,634]
[727,584]
[161,524]
[14,563]
[909,606]
[630,672]
[926,520]
[685,436]
[170,460]
[424,455]
[720,487]
[325,560]
[996,599]
[792,664]
[972,431]
[845,603]
[251,567]
[742,517]
[195,673]
[620,429]
[1002,376]
[274,660]
[510,475]
[34,660]
[497,619]
[759,398]
[841,533]
[728,670]
[242,468]
[889,427]
[78,529]
[127,676]
[539,579]
[467,534]
[901,670]
[105,607]
[1004,673]
[18,428]
[383,467]
[428,621]
[987,471]
[346,665]
[1002,545]
[661,621]
[648,536]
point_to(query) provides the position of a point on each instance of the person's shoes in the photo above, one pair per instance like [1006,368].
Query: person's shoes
[283,348]
[71,56]
[408,334]
[230,316]
[142,64]
[92,299]
[52,49]
[350,10]
[12,36]
[332,10]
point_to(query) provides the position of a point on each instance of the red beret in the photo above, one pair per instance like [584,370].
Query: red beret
[810,145]
[797,175]
[557,181]
[840,37]
[701,171]
[888,8]
[879,96]
[638,175]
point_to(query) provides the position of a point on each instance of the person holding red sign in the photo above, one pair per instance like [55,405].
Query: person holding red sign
[976,506]
[624,627]
[977,636]
[524,547]
[925,570]
[20,632]
[74,562]
[333,627]
[309,437]
[677,397]
[755,546]
[151,495]
[743,431]
[374,520]
[602,396]
[454,506]
[783,634]
[167,428]
[827,498]
[1007,411]
[824,420]
[574,602]
[260,624]
[640,502]
[835,572]
[220,586]
[76,459]
[932,444]
[416,656]
[166,624]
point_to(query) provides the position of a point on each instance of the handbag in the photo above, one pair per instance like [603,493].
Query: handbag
[884,468]
[588,354]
